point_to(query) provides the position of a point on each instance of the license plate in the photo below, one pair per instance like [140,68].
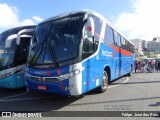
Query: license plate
[42,87]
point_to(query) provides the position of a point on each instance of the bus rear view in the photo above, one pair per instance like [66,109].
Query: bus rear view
[68,55]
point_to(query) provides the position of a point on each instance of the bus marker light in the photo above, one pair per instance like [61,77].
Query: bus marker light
[85,83]
[97,82]
[89,28]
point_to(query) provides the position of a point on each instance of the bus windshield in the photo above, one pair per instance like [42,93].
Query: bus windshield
[7,55]
[57,42]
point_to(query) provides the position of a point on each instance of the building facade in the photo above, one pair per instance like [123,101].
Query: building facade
[141,45]
[154,45]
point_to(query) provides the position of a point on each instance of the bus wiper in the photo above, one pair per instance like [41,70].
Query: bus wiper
[41,46]
[53,55]
[51,49]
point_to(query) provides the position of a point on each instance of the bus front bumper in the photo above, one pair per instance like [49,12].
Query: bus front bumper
[59,87]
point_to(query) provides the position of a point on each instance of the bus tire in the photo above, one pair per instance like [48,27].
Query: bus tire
[104,85]
[29,91]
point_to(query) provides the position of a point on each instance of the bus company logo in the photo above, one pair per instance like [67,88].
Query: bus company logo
[107,53]
[43,73]
[40,73]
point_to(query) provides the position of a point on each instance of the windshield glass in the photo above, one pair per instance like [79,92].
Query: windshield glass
[7,55]
[57,42]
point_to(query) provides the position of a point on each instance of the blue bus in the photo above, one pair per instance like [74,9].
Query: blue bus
[76,52]
[14,47]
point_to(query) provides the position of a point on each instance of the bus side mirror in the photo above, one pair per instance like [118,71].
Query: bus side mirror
[9,40]
[26,32]
[23,36]
[90,27]
[88,44]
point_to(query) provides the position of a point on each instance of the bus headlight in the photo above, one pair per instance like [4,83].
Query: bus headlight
[76,72]
[71,74]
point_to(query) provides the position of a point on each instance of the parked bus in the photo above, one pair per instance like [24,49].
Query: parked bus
[14,47]
[75,53]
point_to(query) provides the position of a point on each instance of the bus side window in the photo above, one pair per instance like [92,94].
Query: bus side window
[127,46]
[98,26]
[22,51]
[108,38]
[117,39]
[123,42]
[131,47]
[88,43]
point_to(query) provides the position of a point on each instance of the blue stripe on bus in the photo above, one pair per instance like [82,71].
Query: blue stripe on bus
[12,81]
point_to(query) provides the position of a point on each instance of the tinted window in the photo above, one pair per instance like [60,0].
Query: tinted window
[22,51]
[87,41]
[98,26]
[88,44]
[7,56]
[58,42]
[123,42]
[131,48]
[117,39]
[108,38]
[127,46]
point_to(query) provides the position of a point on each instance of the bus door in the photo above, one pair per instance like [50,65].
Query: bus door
[118,58]
[119,64]
[117,68]
[21,54]
[92,27]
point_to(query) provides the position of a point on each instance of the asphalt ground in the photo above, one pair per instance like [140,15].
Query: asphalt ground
[140,92]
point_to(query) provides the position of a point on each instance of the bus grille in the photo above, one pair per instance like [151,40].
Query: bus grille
[37,79]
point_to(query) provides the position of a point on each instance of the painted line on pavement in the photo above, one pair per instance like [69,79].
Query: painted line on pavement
[27,98]
[145,78]
[119,84]
[13,96]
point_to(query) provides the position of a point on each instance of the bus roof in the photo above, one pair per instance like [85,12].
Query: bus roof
[15,30]
[84,11]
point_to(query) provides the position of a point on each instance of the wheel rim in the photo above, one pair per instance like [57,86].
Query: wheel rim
[105,80]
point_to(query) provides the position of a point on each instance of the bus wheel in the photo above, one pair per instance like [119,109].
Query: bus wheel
[104,85]
[29,91]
